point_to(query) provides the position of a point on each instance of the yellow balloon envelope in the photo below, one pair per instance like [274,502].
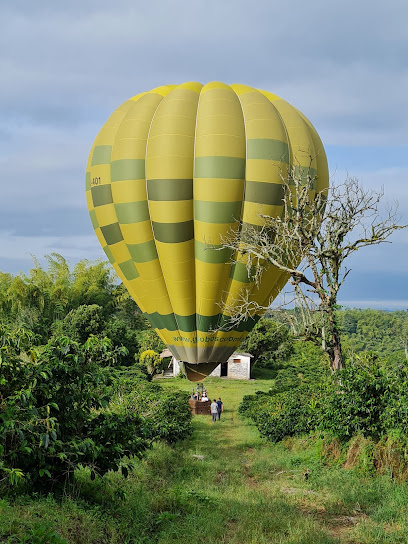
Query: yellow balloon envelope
[172,171]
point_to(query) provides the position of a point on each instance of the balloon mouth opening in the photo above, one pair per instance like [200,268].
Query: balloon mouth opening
[197,372]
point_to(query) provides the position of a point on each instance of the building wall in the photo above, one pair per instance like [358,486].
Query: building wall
[216,372]
[241,370]
[176,367]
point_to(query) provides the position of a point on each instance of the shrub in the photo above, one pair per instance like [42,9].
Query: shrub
[395,401]
[81,322]
[306,365]
[53,412]
[167,415]
[121,334]
[149,340]
[361,399]
[355,400]
[283,414]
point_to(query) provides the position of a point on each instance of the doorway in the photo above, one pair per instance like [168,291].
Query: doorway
[224,369]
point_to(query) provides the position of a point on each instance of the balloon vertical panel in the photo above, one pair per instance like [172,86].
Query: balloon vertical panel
[99,194]
[169,175]
[130,197]
[219,175]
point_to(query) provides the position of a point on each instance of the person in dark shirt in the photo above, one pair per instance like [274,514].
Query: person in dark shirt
[220,407]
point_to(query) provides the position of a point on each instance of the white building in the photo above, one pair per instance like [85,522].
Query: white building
[237,367]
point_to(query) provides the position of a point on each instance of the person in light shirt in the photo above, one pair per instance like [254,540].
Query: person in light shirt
[214,410]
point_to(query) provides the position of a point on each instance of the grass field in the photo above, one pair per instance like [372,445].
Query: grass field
[223,485]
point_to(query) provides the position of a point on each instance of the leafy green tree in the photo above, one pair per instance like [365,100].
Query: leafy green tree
[269,342]
[403,337]
[5,306]
[93,283]
[150,360]
[349,323]
[60,279]
[17,294]
[79,324]
[44,297]
[372,330]
[87,320]
[121,333]
[307,365]
[127,310]
[149,339]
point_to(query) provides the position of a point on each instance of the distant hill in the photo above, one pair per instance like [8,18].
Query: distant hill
[368,330]
[373,330]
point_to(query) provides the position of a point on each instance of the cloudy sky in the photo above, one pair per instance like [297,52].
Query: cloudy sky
[65,66]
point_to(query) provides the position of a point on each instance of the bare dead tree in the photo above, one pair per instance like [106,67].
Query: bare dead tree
[310,242]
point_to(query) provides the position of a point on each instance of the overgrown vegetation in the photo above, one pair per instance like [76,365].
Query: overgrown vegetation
[226,480]
[76,303]
[73,392]
[384,333]
[368,398]
[93,451]
[269,342]
[62,410]
[359,412]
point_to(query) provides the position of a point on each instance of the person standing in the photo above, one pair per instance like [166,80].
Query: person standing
[220,407]
[214,410]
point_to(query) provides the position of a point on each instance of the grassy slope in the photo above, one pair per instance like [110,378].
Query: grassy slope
[242,491]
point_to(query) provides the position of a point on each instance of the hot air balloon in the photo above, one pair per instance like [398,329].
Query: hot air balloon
[171,172]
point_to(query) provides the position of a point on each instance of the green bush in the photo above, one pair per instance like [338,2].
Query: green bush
[120,333]
[166,414]
[287,413]
[306,365]
[86,320]
[149,363]
[81,322]
[364,398]
[54,414]
[395,400]
[356,400]
[149,340]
